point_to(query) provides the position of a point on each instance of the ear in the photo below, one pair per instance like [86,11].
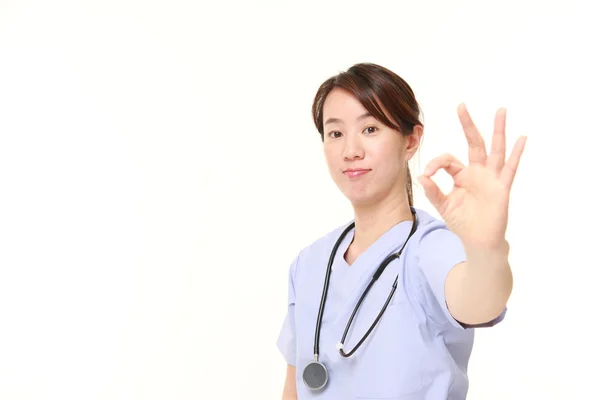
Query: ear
[413,141]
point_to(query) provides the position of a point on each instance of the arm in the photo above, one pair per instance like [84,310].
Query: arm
[478,289]
[289,388]
[287,337]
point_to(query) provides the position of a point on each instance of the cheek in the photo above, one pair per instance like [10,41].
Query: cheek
[331,158]
[386,156]
[389,159]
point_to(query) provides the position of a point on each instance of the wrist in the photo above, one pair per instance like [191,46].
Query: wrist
[492,254]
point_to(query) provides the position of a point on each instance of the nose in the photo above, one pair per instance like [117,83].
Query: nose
[353,148]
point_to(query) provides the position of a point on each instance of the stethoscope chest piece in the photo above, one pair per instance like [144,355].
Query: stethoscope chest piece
[315,375]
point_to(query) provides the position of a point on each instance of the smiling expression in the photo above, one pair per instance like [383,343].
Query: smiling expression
[366,159]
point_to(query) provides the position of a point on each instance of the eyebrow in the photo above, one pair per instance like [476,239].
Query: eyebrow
[339,121]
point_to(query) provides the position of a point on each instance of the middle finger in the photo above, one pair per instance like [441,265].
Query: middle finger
[477,152]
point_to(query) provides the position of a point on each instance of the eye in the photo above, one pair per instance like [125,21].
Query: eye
[370,129]
[335,134]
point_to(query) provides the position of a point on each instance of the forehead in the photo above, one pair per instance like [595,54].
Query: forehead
[342,104]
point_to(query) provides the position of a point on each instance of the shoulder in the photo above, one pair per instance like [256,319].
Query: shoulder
[435,249]
[323,244]
[435,252]
[428,223]
[319,250]
[433,235]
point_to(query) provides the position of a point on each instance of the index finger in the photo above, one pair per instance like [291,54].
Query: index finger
[450,164]
[477,152]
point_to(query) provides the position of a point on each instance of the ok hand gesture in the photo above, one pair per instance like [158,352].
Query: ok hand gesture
[477,207]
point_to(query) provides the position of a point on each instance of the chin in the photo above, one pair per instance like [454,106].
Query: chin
[360,197]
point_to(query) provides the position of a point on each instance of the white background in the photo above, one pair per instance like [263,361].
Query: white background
[159,170]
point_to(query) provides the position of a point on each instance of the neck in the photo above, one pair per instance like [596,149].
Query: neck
[372,221]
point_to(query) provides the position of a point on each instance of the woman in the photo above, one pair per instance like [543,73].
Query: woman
[410,336]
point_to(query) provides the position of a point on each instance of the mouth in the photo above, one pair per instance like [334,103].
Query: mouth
[355,172]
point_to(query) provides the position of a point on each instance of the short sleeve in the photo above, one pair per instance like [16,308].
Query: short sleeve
[439,251]
[286,342]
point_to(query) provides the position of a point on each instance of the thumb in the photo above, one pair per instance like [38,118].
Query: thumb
[433,192]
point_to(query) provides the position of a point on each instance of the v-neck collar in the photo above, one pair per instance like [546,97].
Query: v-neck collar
[370,259]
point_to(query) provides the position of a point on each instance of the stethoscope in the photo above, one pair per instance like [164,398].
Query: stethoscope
[315,374]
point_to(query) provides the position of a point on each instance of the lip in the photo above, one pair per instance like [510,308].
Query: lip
[355,172]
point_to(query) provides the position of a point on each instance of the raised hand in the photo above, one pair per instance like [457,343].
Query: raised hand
[476,209]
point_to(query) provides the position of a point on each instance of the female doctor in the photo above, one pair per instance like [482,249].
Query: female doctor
[385,307]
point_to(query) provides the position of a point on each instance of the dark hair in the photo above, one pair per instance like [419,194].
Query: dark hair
[377,89]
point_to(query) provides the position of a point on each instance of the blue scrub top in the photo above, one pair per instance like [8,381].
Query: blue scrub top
[417,350]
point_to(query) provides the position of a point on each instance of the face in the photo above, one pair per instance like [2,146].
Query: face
[366,159]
